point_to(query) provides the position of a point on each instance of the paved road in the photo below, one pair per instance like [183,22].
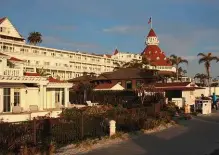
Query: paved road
[199,136]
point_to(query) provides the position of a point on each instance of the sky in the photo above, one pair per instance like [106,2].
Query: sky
[184,27]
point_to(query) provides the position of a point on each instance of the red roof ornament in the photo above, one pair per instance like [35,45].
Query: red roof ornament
[152,33]
[115,52]
[2,19]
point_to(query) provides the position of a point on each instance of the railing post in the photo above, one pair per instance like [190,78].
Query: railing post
[34,131]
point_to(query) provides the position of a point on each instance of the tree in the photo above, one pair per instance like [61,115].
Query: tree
[85,88]
[207,59]
[42,72]
[202,78]
[34,38]
[133,63]
[175,60]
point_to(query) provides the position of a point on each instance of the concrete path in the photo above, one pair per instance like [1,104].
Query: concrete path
[199,136]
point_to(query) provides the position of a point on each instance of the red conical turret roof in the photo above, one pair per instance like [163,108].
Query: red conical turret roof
[153,52]
[152,33]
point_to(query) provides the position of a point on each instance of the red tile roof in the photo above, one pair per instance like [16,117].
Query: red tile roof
[151,33]
[2,19]
[107,55]
[31,74]
[15,59]
[51,79]
[104,86]
[156,56]
[173,84]
[176,86]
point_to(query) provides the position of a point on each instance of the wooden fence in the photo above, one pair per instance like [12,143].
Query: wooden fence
[62,131]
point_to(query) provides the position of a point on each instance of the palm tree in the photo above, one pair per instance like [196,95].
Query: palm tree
[42,72]
[207,59]
[175,60]
[34,38]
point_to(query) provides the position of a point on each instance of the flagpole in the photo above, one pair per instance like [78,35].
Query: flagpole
[151,22]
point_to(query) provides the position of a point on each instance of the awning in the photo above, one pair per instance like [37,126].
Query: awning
[12,85]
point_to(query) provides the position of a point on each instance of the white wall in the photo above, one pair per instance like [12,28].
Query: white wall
[189,97]
[28,116]
[31,98]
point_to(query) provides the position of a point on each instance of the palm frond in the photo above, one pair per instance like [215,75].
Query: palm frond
[184,61]
[202,54]
[214,58]
[202,60]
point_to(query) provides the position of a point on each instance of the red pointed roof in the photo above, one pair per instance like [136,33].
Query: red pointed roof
[115,52]
[51,79]
[108,56]
[105,86]
[156,56]
[151,33]
[31,74]
[15,59]
[2,19]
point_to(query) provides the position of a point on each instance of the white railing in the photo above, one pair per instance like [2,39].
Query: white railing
[12,72]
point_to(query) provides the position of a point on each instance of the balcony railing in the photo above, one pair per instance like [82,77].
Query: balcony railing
[12,72]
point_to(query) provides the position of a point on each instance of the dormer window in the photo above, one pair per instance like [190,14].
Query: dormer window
[165,58]
[158,58]
[149,52]
[155,51]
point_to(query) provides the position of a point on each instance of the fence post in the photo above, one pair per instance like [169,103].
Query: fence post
[112,127]
[34,131]
[82,125]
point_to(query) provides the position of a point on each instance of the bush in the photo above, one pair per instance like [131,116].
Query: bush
[171,108]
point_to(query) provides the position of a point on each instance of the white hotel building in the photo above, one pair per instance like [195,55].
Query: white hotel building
[62,63]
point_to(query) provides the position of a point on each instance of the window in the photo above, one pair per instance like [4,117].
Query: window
[37,62]
[158,58]
[16,97]
[128,84]
[7,100]
[57,95]
[46,63]
[63,98]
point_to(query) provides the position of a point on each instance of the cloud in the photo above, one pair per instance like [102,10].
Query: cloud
[70,45]
[125,29]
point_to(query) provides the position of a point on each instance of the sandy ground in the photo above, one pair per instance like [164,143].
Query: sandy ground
[106,142]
